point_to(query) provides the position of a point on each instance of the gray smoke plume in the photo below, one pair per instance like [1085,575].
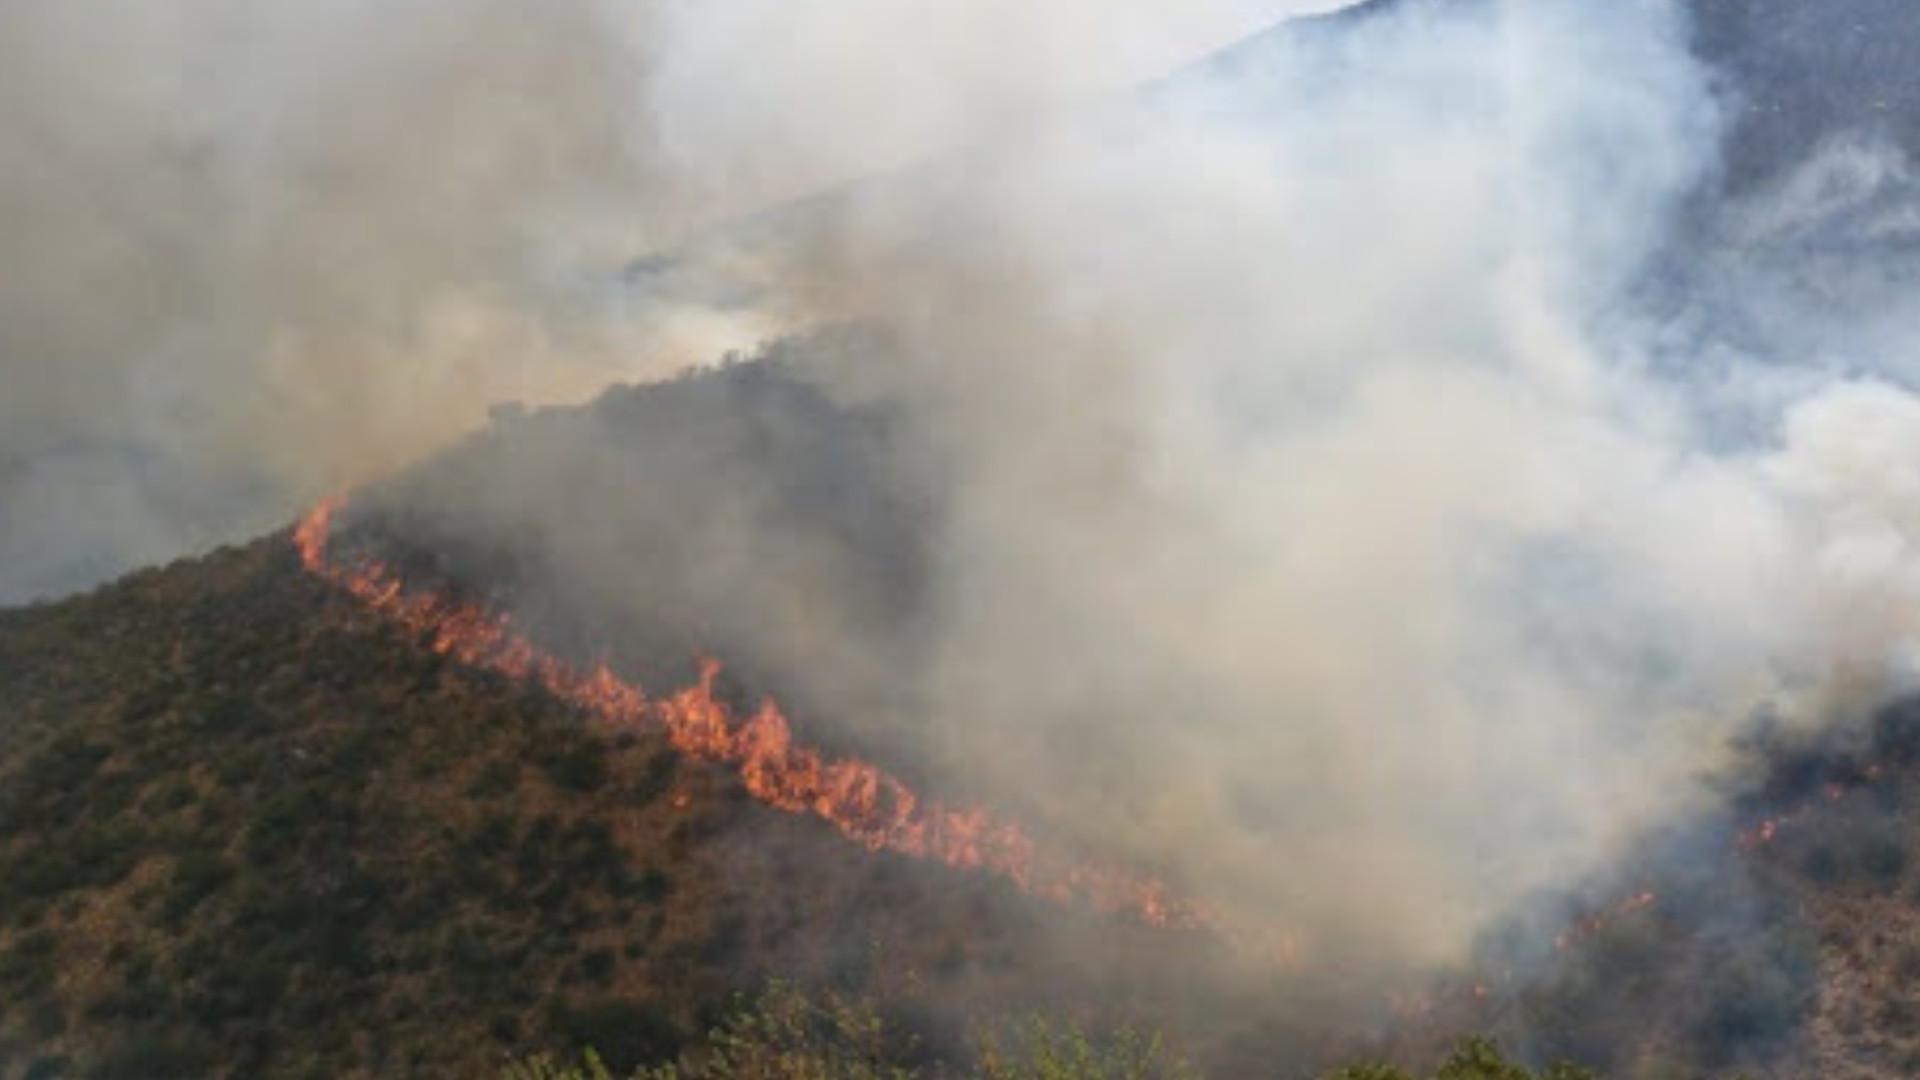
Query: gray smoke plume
[1376,491]
[255,254]
[1377,468]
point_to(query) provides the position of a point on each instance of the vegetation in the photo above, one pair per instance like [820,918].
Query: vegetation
[788,1036]
[246,829]
[1474,1059]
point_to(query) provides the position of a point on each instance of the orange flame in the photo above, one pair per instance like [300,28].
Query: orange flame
[1596,921]
[866,804]
[1762,834]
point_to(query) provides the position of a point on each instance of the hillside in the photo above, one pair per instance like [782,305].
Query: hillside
[248,824]
[255,825]
[1400,529]
[1777,936]
[255,828]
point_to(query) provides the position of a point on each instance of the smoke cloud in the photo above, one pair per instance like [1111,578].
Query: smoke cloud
[1378,469]
[1376,490]
[257,254]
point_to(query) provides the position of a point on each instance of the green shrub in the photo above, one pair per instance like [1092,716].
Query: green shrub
[50,1067]
[1473,1059]
[27,966]
[1040,1049]
[542,1067]
[1752,999]
[229,714]
[497,780]
[284,822]
[656,777]
[198,875]
[154,1056]
[68,762]
[651,887]
[581,767]
[597,966]
[789,1036]
[1881,855]
[627,1034]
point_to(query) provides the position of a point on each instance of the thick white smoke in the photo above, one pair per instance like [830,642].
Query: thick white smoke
[257,252]
[1331,521]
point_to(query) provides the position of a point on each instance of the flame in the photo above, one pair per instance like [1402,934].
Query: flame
[866,804]
[1596,921]
[1762,834]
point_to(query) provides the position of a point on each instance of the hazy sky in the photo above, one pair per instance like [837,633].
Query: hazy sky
[257,252]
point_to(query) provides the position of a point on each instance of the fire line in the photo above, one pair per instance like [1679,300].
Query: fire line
[863,802]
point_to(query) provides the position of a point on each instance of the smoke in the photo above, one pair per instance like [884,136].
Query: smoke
[1374,480]
[1305,531]
[256,254]
[1333,516]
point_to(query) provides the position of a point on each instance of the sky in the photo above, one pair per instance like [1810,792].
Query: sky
[257,253]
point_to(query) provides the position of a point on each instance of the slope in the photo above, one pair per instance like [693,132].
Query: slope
[251,826]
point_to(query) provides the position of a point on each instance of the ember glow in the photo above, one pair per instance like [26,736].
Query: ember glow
[866,804]
[1596,921]
[1762,834]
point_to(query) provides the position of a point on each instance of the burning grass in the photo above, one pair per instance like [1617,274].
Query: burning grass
[863,802]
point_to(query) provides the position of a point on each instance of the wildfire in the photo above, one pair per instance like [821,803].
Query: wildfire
[1596,921]
[1762,834]
[866,804]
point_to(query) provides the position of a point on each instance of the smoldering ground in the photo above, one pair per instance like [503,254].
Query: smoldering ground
[1359,478]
